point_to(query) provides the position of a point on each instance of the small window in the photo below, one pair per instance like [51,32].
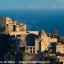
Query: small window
[33,47]
[30,47]
[18,35]
[27,32]
[7,24]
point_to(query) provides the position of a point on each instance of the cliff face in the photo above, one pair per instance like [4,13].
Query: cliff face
[9,49]
[30,57]
[4,45]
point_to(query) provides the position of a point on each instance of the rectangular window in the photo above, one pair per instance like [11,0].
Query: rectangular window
[30,51]
[14,28]
[33,51]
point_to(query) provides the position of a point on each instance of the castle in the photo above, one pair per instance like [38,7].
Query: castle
[41,43]
[34,41]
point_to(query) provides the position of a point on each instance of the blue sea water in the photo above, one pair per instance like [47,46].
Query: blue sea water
[38,19]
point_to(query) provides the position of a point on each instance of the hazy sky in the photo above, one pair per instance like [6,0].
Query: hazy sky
[30,4]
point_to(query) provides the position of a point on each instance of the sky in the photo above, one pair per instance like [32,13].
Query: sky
[30,4]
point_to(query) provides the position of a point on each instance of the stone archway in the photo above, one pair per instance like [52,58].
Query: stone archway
[30,39]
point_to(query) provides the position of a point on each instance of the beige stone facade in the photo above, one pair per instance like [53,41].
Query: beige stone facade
[60,58]
[13,28]
[60,48]
[43,43]
[11,25]
[22,27]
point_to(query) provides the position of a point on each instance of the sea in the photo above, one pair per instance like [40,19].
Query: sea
[36,20]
